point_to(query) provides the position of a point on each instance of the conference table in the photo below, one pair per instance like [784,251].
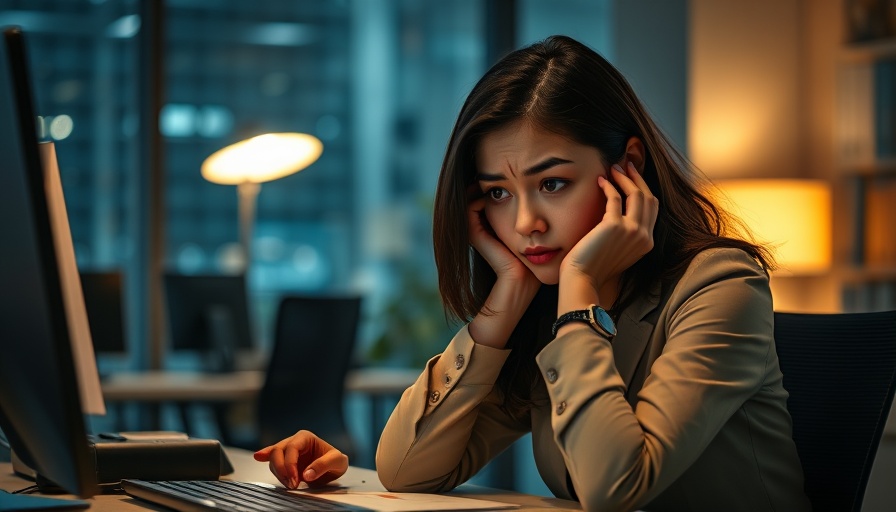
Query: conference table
[225,389]
[355,480]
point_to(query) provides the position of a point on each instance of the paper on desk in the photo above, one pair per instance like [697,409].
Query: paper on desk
[407,501]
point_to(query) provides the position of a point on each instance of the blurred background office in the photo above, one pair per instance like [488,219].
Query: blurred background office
[137,94]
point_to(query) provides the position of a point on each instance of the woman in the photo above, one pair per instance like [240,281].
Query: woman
[611,312]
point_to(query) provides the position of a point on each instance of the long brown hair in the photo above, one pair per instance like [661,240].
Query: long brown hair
[565,87]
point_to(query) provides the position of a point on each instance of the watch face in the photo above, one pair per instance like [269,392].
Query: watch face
[603,320]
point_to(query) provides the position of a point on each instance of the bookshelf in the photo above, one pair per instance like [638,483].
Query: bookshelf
[866,153]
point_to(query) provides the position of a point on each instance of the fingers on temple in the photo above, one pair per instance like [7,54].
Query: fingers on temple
[614,200]
[651,204]
[640,201]
[633,174]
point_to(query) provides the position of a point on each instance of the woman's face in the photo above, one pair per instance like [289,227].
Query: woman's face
[541,193]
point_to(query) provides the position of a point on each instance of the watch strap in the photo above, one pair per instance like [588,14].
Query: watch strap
[595,316]
[579,315]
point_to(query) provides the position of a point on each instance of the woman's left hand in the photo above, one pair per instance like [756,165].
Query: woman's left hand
[618,240]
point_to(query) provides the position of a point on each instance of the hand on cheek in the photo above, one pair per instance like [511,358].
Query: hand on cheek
[624,234]
[483,238]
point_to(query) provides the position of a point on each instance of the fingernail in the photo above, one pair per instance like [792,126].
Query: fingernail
[618,168]
[309,474]
[601,180]
[293,483]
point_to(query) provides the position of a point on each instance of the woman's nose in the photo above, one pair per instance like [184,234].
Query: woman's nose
[529,218]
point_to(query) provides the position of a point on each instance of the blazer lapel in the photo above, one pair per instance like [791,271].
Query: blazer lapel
[633,335]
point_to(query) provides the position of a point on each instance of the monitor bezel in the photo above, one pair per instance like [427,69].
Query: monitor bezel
[26,425]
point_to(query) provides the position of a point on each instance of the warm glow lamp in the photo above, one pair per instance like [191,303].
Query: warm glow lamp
[253,161]
[793,216]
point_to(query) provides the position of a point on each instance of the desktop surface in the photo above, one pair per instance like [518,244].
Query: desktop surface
[249,470]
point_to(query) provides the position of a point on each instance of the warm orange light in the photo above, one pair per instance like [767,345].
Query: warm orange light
[263,158]
[793,216]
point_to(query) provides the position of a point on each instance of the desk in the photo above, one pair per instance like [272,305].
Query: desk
[377,384]
[176,386]
[179,386]
[246,468]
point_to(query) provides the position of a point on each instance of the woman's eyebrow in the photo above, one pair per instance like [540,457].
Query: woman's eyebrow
[531,171]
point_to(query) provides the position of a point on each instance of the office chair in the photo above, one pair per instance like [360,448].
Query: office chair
[303,390]
[839,370]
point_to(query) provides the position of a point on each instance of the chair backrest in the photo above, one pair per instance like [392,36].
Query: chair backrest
[839,370]
[304,387]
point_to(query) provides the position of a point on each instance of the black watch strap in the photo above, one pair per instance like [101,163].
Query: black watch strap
[579,315]
[595,316]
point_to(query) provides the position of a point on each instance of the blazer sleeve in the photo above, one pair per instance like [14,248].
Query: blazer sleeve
[718,325]
[449,424]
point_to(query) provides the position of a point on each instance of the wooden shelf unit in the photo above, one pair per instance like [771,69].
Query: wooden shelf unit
[866,151]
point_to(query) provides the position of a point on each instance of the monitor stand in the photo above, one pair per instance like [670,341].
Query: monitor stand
[15,502]
[221,355]
[22,502]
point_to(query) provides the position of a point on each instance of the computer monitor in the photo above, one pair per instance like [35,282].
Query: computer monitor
[40,404]
[103,298]
[209,314]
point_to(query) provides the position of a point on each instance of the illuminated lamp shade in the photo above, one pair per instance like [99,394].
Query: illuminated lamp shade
[262,158]
[793,216]
[253,161]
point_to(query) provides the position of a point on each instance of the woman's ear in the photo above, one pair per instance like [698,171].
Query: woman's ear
[634,153]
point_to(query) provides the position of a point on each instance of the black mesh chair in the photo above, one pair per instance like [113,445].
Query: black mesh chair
[839,370]
[304,387]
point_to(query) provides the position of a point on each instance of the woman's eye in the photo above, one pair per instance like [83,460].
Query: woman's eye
[497,193]
[553,184]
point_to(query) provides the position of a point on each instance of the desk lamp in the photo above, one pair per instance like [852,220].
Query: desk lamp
[794,218]
[793,215]
[250,162]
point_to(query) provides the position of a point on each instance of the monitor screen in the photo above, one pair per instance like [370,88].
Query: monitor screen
[40,405]
[208,314]
[103,299]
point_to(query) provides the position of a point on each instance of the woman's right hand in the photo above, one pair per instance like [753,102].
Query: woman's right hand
[515,287]
[304,457]
[505,264]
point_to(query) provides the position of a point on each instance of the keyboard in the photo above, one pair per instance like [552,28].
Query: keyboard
[226,495]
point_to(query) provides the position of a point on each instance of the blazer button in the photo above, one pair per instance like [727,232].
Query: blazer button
[434,396]
[459,362]
[561,407]
[551,374]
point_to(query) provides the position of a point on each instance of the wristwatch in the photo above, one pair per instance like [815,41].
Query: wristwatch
[595,316]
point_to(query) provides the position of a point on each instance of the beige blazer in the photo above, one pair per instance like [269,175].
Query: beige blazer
[684,410]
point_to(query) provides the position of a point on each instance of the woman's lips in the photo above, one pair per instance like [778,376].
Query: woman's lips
[540,256]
